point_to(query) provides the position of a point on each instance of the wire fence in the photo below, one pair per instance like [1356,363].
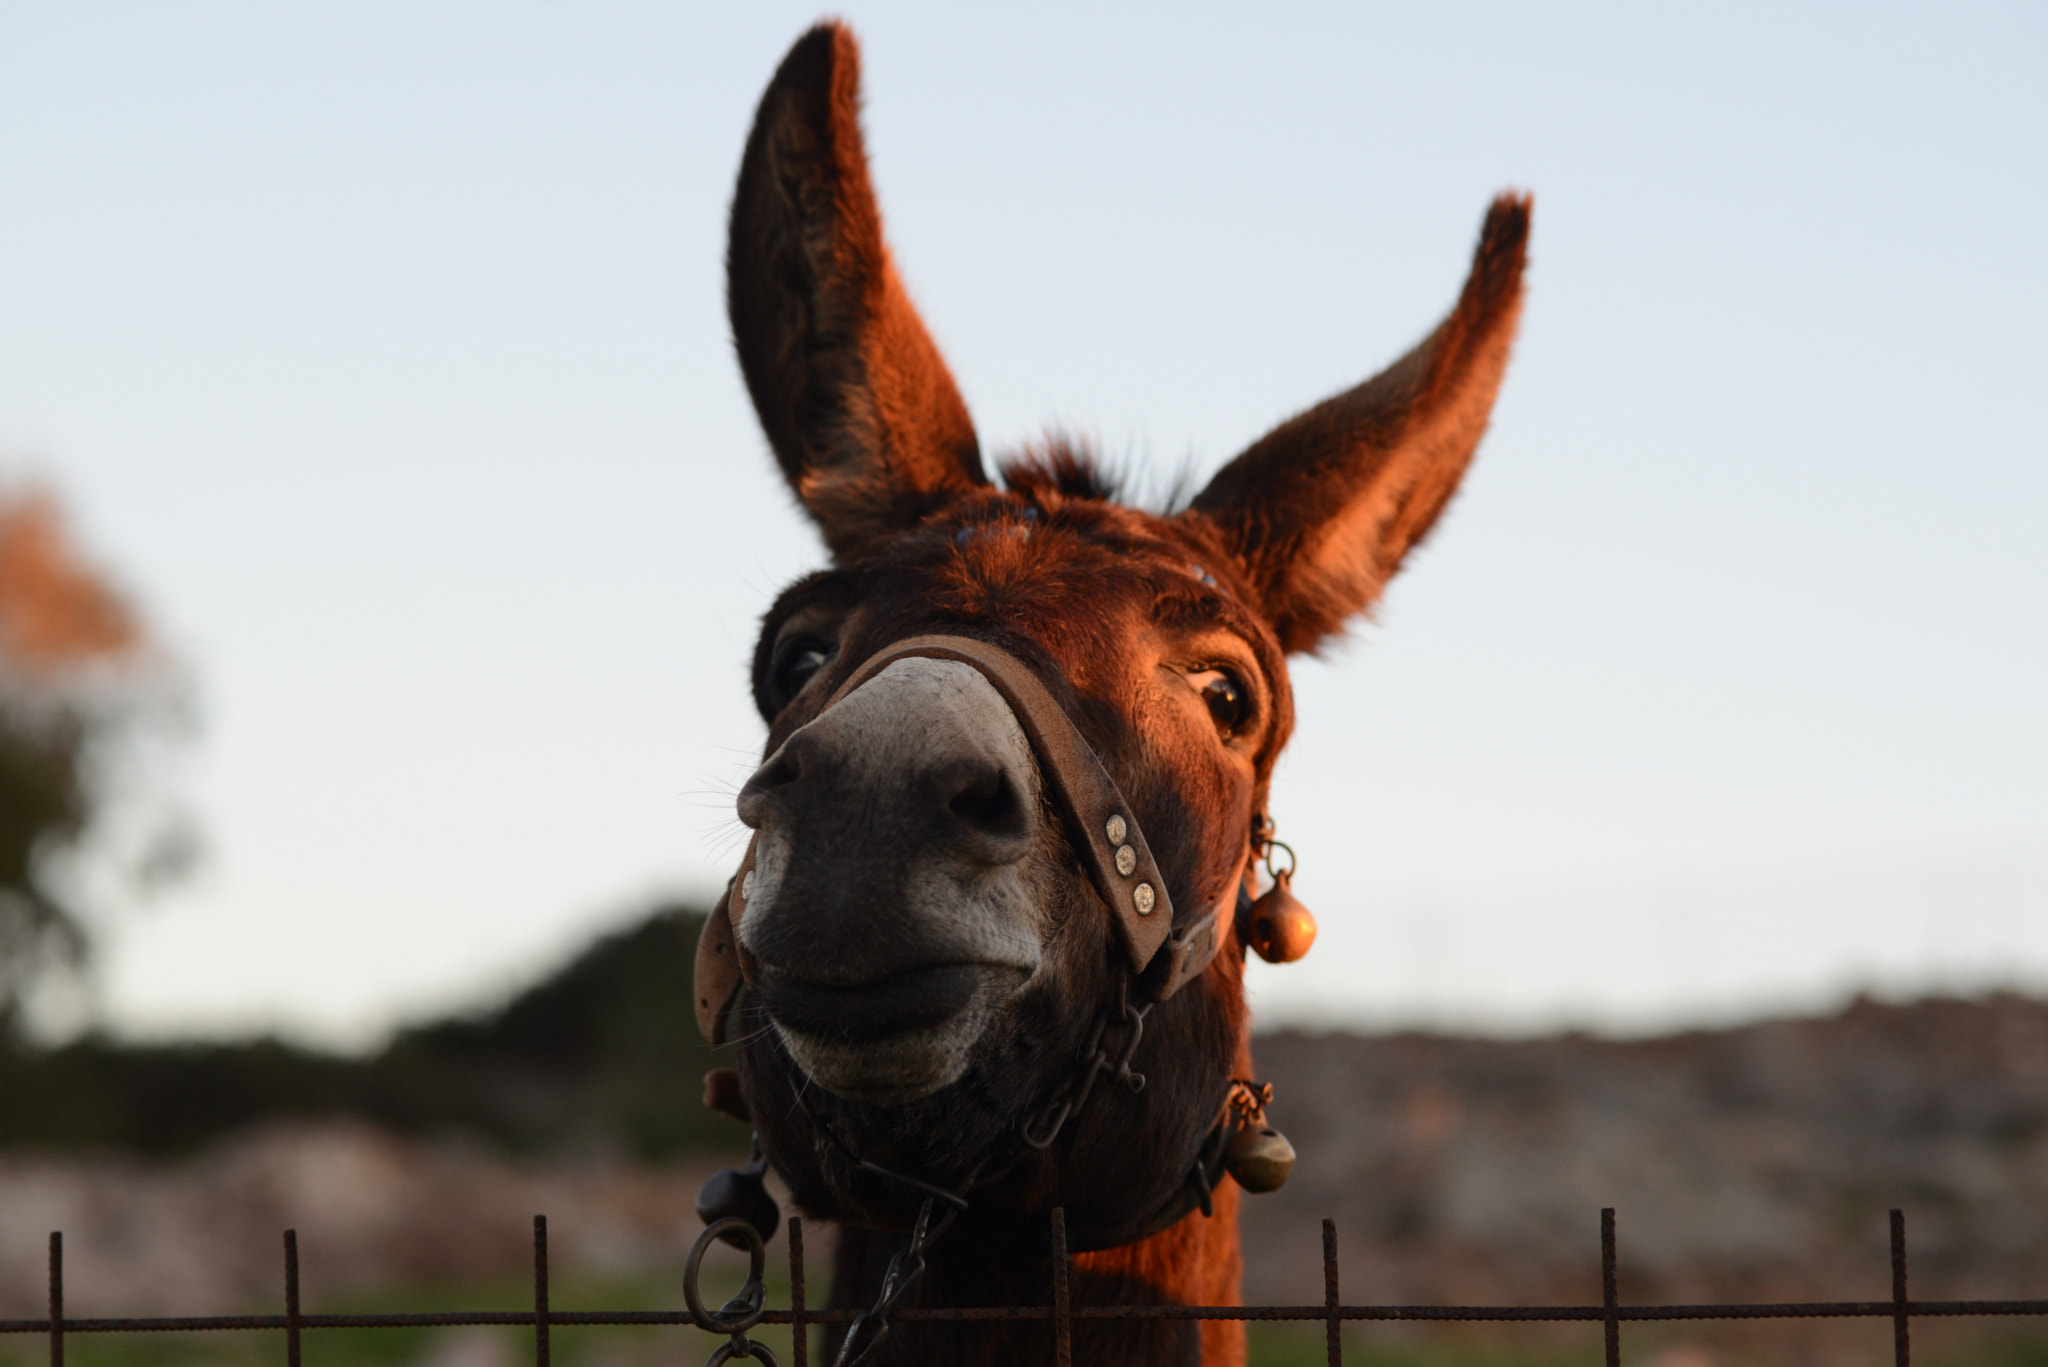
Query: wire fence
[1611,1314]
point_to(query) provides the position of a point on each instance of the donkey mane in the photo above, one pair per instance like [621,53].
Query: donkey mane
[1062,466]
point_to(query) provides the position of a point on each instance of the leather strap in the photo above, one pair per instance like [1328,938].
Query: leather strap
[1186,953]
[721,970]
[1100,826]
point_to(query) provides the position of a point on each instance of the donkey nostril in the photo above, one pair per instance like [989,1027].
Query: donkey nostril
[779,772]
[784,769]
[989,803]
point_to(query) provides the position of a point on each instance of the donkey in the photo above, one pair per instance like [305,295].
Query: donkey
[984,955]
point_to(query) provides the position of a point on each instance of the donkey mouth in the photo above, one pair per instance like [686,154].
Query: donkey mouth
[891,1040]
[920,999]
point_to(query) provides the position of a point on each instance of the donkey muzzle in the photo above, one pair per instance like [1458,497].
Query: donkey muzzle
[887,904]
[887,911]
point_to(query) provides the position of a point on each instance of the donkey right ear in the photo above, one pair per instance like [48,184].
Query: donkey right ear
[863,415]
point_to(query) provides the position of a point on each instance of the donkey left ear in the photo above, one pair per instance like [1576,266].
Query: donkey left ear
[1322,509]
[867,425]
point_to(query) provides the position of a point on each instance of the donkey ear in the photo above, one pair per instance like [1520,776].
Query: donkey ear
[864,417]
[1322,509]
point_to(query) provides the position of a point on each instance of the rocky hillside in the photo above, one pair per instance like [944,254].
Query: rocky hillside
[1756,1162]
[202,1233]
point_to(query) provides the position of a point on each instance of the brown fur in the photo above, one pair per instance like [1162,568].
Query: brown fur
[1116,608]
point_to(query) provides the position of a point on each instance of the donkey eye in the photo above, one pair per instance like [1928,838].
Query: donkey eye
[1226,701]
[799,663]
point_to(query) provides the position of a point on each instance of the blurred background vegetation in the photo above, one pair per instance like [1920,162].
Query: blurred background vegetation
[604,1053]
[77,678]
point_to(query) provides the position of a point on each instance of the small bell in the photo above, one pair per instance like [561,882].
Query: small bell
[742,1192]
[1282,929]
[1260,1158]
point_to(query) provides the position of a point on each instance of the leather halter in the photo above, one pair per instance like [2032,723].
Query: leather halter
[1101,826]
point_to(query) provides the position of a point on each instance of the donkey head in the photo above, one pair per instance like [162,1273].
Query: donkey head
[937,908]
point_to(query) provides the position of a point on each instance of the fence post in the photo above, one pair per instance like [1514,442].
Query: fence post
[799,1338]
[540,1291]
[1062,1323]
[1902,1344]
[1333,1323]
[1610,1293]
[56,1298]
[291,1298]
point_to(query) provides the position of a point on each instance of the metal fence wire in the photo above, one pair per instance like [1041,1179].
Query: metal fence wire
[749,1308]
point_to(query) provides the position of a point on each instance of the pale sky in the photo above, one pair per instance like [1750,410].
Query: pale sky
[380,347]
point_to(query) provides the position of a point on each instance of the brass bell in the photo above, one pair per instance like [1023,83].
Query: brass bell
[1282,929]
[1260,1158]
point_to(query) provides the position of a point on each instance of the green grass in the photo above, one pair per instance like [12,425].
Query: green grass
[602,1346]
[1303,1345]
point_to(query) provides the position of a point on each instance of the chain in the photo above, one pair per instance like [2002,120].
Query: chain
[1040,1130]
[903,1271]
[745,1309]
[907,1266]
[1265,840]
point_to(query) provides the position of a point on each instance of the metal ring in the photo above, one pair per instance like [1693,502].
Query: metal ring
[1272,845]
[753,1289]
[742,1348]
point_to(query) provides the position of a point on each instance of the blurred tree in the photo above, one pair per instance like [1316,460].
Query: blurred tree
[81,687]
